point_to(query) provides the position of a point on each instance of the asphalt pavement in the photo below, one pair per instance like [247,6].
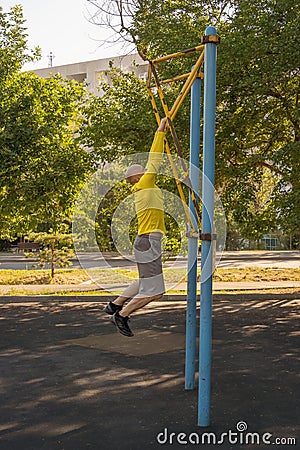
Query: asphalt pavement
[226,259]
[69,381]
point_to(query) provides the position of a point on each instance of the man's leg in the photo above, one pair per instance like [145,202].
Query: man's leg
[130,292]
[138,303]
[120,318]
[118,303]
[148,257]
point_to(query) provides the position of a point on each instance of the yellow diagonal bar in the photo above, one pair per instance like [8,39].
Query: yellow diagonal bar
[174,170]
[176,142]
[179,187]
[186,173]
[149,77]
[187,86]
[192,76]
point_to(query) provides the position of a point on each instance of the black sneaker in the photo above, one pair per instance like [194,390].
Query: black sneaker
[122,324]
[111,308]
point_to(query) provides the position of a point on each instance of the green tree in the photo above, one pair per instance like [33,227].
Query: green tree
[258,122]
[14,51]
[159,27]
[119,122]
[56,250]
[43,164]
[257,94]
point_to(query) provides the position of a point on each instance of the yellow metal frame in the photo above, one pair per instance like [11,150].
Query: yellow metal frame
[171,113]
[182,53]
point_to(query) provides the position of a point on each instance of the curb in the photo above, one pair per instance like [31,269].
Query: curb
[51,289]
[247,296]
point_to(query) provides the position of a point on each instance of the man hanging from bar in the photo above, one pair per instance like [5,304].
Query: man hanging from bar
[149,207]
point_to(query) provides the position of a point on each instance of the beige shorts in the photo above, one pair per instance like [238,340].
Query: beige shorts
[147,251]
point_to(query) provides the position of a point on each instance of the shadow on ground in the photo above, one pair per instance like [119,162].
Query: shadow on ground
[62,391]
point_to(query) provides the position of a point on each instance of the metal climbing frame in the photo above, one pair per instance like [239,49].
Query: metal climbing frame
[208,56]
[170,114]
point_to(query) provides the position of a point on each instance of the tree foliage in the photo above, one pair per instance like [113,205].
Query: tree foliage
[14,51]
[257,93]
[43,164]
[43,123]
[56,250]
[120,121]
[258,123]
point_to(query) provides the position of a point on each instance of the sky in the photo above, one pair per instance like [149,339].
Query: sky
[62,27]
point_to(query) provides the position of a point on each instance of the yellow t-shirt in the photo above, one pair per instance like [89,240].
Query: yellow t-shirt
[148,197]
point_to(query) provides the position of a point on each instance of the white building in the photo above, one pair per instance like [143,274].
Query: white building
[90,71]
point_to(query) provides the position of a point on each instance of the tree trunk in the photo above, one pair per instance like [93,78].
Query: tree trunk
[52,258]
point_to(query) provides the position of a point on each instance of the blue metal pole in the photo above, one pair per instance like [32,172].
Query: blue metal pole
[209,110]
[191,324]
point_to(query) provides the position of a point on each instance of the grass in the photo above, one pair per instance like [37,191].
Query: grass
[257,274]
[16,277]
[109,276]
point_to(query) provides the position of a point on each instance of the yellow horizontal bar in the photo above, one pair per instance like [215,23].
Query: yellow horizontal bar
[214,39]
[211,38]
[182,53]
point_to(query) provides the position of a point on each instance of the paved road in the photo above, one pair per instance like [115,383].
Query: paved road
[229,259]
[261,258]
